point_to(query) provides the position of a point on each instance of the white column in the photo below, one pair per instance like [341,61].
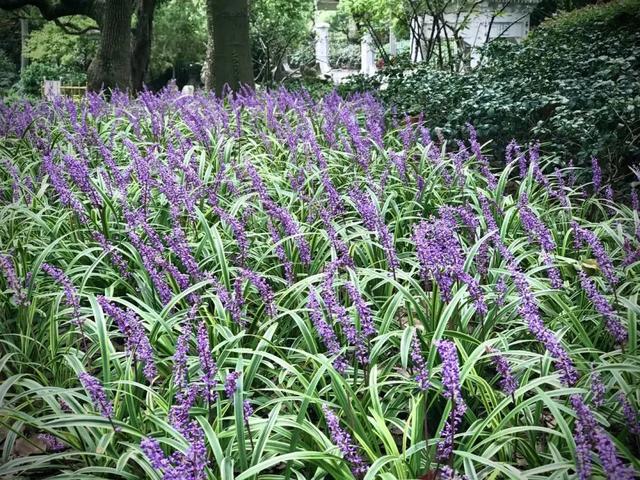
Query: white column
[52,89]
[322,47]
[367,58]
[393,44]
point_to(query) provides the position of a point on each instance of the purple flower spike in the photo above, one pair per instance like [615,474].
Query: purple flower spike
[587,237]
[6,265]
[419,365]
[508,383]
[157,458]
[97,394]
[51,442]
[602,306]
[598,389]
[70,292]
[247,410]
[589,436]
[452,391]
[364,312]
[342,439]
[209,367]
[632,419]
[136,339]
[231,384]
[325,332]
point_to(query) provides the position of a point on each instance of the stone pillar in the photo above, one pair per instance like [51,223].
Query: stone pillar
[393,44]
[322,47]
[52,89]
[367,58]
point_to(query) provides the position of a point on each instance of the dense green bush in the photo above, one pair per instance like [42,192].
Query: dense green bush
[8,75]
[573,84]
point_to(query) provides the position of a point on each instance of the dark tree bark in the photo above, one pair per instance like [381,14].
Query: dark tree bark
[232,48]
[111,68]
[208,62]
[141,47]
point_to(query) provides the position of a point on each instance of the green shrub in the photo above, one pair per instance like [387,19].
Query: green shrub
[8,75]
[573,84]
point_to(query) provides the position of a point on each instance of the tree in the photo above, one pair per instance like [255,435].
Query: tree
[122,58]
[111,67]
[141,47]
[232,48]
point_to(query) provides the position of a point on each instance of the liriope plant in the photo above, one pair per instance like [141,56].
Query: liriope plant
[269,287]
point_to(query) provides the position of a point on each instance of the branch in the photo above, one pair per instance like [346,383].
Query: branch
[72,29]
[54,9]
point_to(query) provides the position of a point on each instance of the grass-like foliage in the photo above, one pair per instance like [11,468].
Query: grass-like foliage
[270,287]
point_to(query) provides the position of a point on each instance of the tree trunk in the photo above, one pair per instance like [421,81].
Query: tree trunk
[141,47]
[232,53]
[111,68]
[208,70]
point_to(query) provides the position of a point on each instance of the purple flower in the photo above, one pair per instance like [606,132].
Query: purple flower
[441,258]
[151,448]
[364,312]
[602,306]
[70,292]
[6,265]
[632,419]
[338,311]
[231,384]
[635,202]
[51,442]
[280,253]
[420,369]
[263,289]
[598,389]
[288,223]
[179,411]
[325,332]
[247,410]
[374,222]
[530,312]
[97,394]
[534,227]
[501,291]
[451,391]
[190,465]
[342,439]
[589,436]
[115,256]
[208,366]
[587,237]
[508,383]
[136,339]
[492,182]
[445,472]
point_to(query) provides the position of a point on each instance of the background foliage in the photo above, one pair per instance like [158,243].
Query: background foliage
[573,84]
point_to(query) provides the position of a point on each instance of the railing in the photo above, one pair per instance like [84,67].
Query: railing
[75,91]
